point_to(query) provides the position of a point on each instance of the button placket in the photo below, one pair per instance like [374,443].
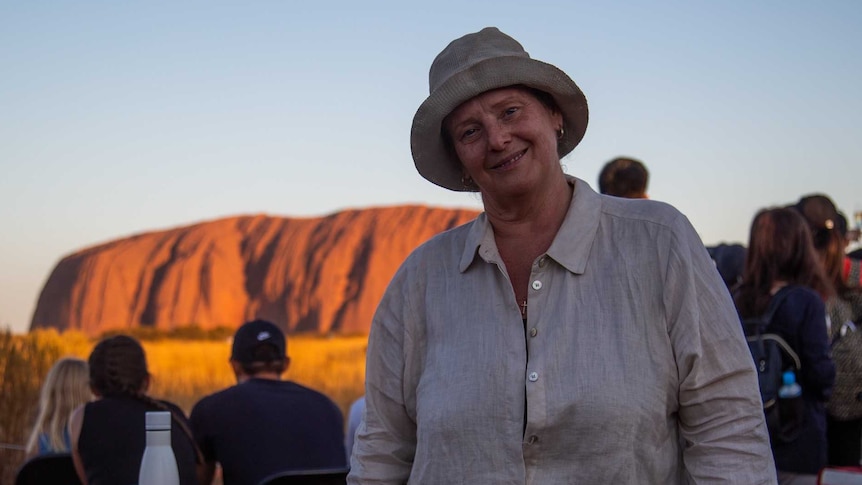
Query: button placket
[536,285]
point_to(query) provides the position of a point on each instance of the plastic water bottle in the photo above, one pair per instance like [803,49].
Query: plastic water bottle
[791,410]
[789,388]
[159,465]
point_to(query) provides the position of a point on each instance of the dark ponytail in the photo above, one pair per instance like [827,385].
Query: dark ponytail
[118,368]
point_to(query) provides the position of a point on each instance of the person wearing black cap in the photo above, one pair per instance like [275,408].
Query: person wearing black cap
[265,425]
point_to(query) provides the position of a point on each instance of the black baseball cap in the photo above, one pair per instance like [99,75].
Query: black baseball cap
[254,334]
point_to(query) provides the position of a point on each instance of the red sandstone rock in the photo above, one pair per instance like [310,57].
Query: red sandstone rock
[321,275]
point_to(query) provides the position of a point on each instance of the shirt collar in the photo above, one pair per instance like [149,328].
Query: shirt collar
[572,244]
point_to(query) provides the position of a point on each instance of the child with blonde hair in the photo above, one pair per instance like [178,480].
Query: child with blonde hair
[65,388]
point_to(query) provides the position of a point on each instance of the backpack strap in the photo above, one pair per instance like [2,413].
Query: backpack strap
[767,317]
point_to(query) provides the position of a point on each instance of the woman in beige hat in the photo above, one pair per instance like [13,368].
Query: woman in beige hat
[562,336]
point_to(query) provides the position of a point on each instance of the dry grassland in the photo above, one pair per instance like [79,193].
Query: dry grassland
[183,371]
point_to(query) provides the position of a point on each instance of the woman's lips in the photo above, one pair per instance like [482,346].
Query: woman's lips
[508,161]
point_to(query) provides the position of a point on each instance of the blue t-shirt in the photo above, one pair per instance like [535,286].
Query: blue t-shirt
[264,426]
[45,443]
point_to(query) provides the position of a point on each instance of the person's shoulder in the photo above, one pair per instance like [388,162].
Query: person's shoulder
[98,405]
[447,239]
[444,246]
[802,292]
[646,210]
[801,296]
[222,396]
[299,388]
[644,220]
[309,393]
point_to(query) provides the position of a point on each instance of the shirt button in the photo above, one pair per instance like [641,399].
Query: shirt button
[537,285]
[533,439]
[533,332]
[534,376]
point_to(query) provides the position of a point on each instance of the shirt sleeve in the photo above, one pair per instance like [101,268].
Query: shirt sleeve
[818,368]
[721,423]
[385,442]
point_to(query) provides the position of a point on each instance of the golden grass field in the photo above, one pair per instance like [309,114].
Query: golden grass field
[183,371]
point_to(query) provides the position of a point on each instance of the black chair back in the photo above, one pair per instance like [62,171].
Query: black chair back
[329,476]
[49,469]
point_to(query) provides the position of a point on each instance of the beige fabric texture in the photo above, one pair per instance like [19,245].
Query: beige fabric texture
[632,367]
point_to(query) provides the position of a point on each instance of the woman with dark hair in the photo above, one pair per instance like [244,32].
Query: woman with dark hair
[844,308]
[781,258]
[108,435]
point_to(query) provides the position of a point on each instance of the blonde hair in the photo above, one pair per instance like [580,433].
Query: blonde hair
[65,388]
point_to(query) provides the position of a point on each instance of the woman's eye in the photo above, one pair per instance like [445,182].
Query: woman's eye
[510,111]
[468,133]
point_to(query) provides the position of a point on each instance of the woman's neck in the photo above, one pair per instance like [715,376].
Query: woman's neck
[533,215]
[777,286]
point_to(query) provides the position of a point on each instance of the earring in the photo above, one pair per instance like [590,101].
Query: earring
[561,133]
[467,181]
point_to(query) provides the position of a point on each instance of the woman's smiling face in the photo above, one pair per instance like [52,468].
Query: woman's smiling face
[506,140]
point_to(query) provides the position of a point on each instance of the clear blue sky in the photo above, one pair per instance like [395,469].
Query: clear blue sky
[121,117]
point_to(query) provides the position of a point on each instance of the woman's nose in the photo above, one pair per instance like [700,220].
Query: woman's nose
[498,136]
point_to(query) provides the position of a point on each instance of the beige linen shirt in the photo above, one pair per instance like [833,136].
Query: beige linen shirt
[632,368]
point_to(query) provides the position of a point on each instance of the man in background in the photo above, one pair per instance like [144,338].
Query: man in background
[265,425]
[624,177]
[628,178]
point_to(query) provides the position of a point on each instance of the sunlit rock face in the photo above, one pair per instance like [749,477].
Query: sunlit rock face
[321,275]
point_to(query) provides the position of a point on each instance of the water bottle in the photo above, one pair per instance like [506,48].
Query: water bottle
[159,465]
[791,409]
[789,388]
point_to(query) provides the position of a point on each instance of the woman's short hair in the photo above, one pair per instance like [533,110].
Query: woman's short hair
[624,177]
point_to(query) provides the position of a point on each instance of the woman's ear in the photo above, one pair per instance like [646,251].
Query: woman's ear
[467,181]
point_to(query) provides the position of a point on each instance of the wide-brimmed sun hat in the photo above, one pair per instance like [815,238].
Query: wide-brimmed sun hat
[469,66]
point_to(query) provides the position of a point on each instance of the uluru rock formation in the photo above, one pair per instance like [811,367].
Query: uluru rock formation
[321,275]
